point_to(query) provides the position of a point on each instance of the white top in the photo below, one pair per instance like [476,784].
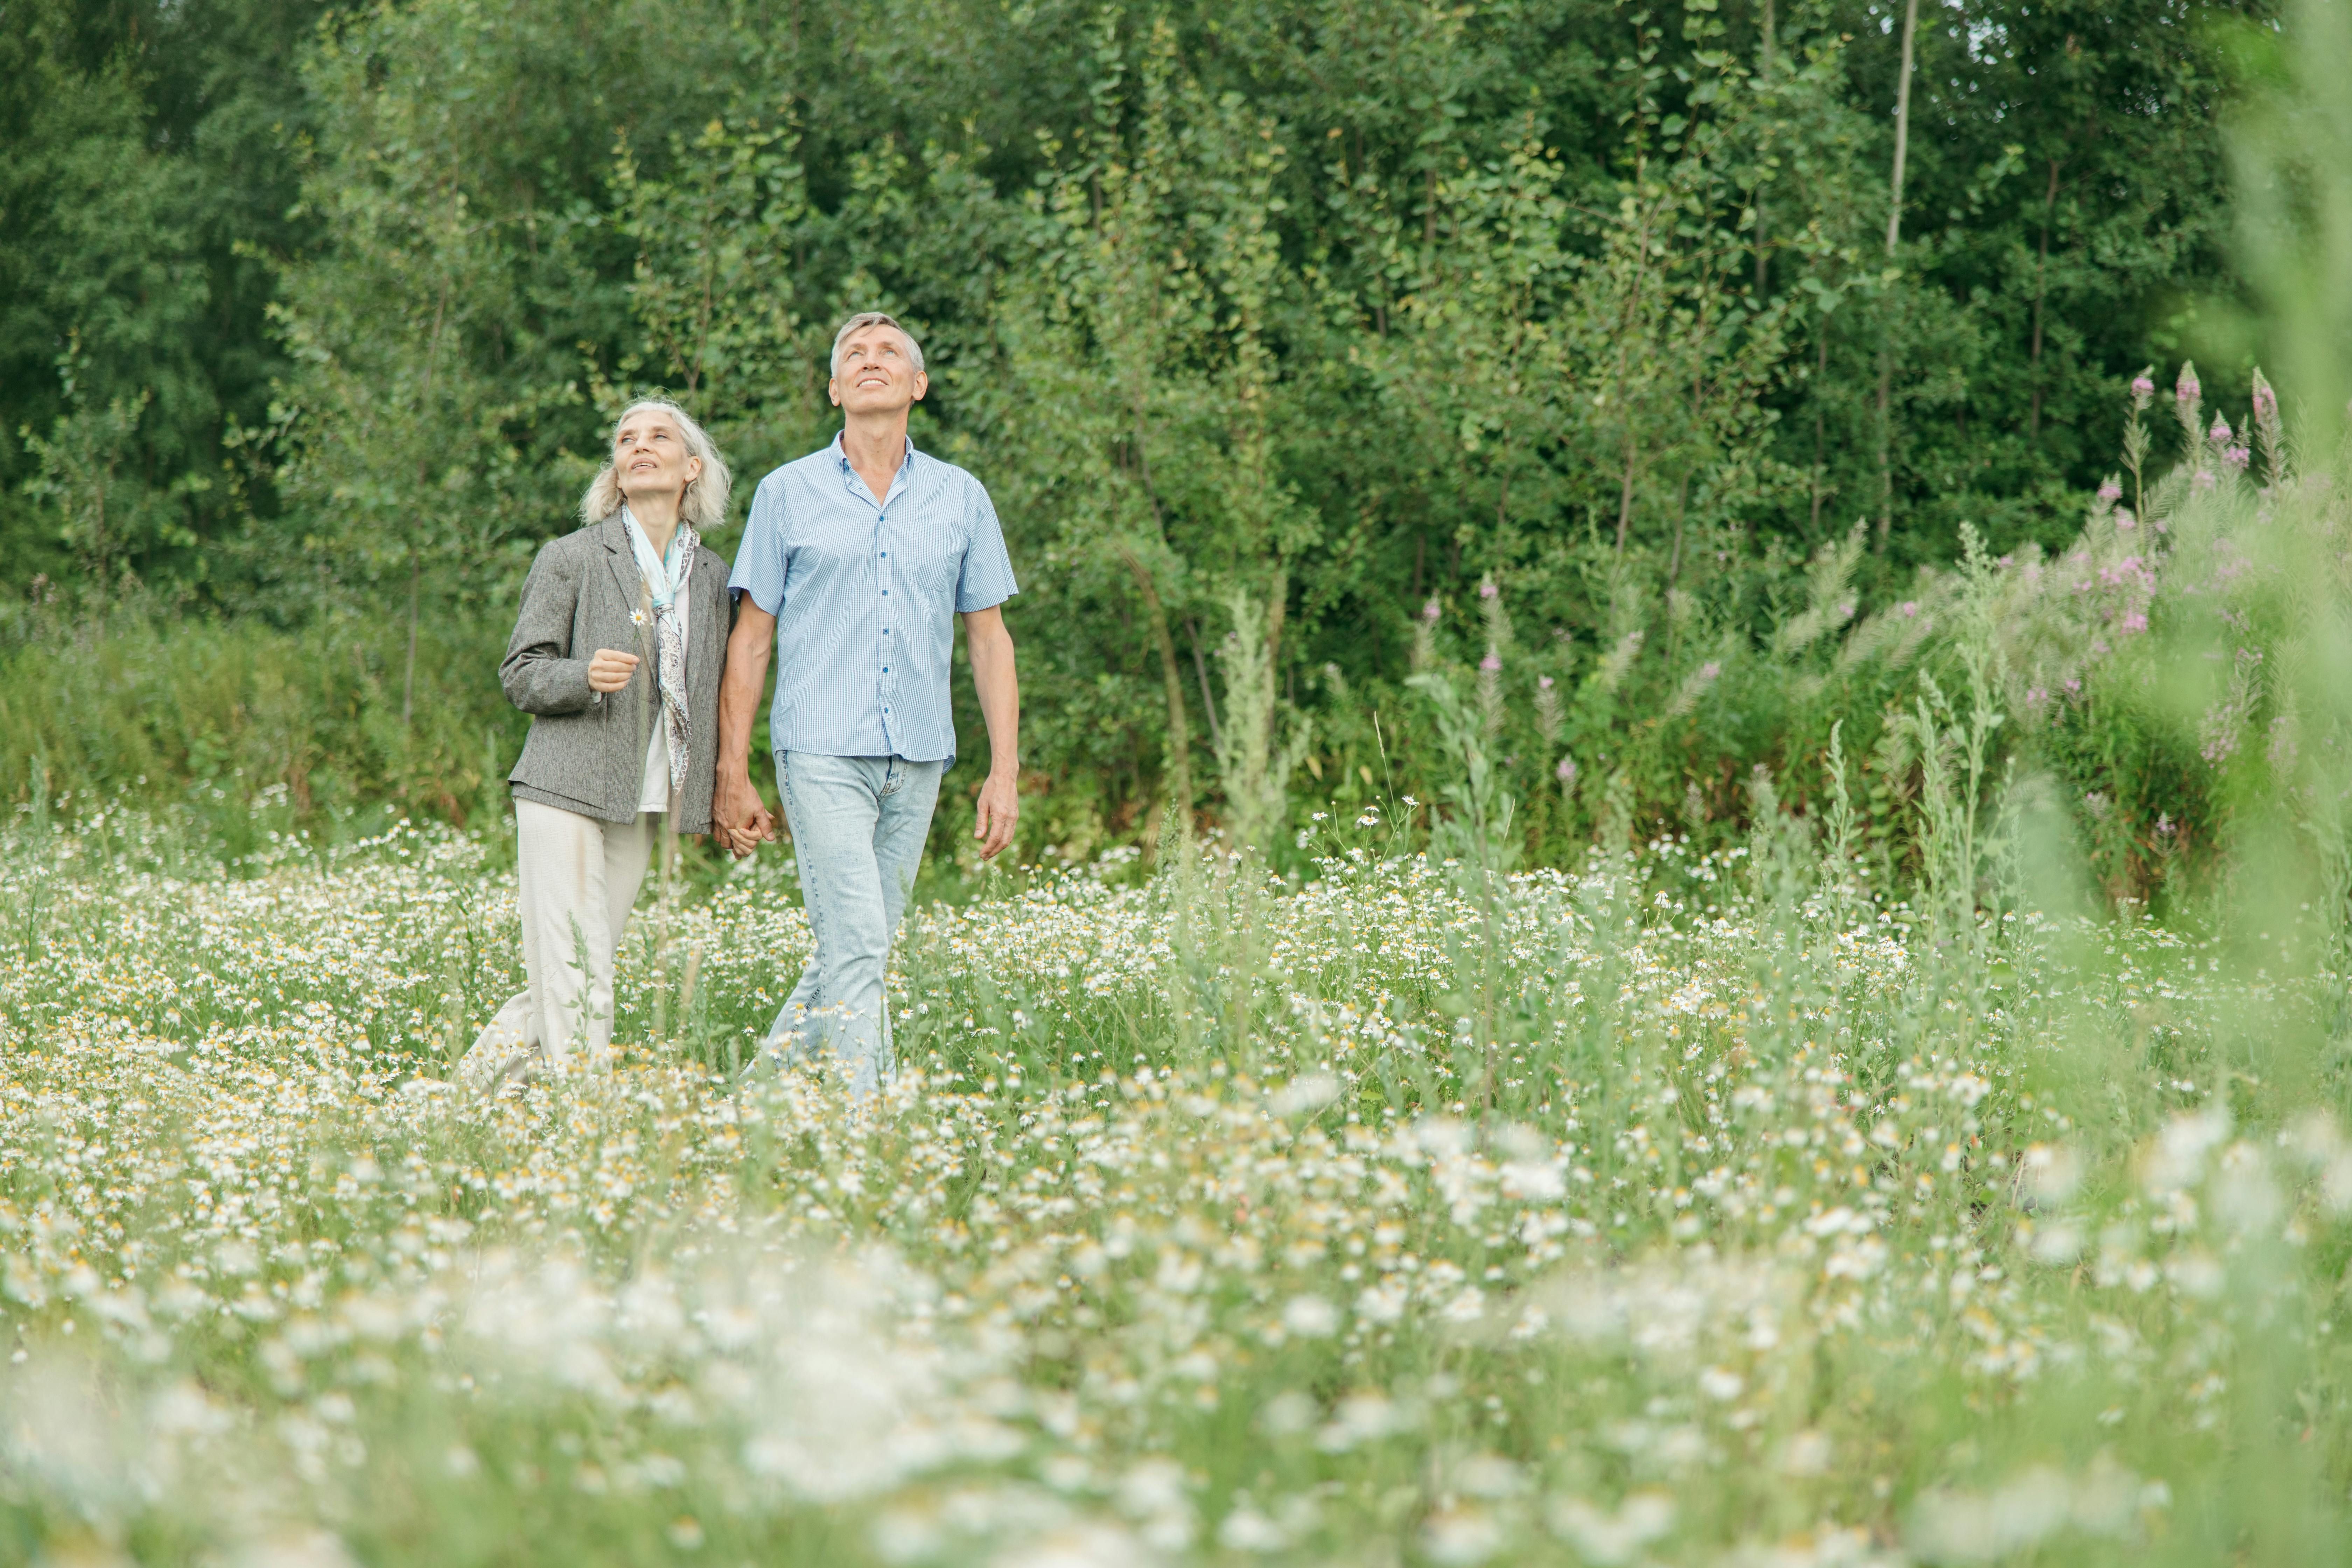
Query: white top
[654,795]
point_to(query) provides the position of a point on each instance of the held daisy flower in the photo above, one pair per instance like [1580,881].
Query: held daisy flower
[637,617]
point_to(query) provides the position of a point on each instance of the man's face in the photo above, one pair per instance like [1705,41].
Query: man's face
[876,372]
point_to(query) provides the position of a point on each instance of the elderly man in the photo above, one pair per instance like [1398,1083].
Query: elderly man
[856,563]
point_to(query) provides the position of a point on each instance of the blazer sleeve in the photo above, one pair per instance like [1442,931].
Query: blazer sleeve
[539,672]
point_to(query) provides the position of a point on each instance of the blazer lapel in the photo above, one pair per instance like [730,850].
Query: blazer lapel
[631,582]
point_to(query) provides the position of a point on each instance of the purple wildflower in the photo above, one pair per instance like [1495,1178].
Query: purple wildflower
[2265,400]
[2220,434]
[1909,607]
[2142,388]
[2111,492]
[1487,590]
[1543,683]
[1429,612]
[1492,662]
[2202,479]
[2132,622]
[1566,772]
[2186,389]
[1709,670]
[2236,457]
[2124,518]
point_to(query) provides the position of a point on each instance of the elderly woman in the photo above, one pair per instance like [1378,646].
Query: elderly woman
[616,658]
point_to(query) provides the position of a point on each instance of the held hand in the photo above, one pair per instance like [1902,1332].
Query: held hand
[610,670]
[747,838]
[739,814]
[1000,814]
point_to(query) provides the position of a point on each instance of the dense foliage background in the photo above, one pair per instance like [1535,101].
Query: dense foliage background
[1566,347]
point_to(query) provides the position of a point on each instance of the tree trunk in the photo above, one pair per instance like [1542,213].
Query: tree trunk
[1894,238]
[424,485]
[1820,374]
[409,680]
[1682,505]
[1201,668]
[1625,495]
[1180,732]
[1763,74]
[2040,287]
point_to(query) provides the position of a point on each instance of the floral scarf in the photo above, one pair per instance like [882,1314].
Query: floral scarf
[665,580]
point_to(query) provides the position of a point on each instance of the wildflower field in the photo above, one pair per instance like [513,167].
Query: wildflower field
[1688,1209]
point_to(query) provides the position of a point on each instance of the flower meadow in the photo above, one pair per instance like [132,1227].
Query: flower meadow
[1685,1208]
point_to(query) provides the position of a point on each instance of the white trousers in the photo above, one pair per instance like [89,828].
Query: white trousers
[578,878]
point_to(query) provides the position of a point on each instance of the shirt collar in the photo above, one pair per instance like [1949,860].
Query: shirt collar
[849,475]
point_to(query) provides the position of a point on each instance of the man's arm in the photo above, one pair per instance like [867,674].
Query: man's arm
[738,813]
[990,647]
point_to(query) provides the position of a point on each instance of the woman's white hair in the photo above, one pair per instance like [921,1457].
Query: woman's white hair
[704,505]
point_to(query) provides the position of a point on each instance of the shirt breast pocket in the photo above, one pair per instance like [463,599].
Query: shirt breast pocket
[934,564]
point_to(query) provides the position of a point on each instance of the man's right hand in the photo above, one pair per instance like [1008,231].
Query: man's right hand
[739,816]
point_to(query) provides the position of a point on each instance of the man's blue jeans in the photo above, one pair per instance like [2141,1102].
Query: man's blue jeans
[859,826]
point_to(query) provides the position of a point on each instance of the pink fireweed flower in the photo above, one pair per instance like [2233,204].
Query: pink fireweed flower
[2074,687]
[2220,434]
[1429,612]
[1566,772]
[1487,590]
[2124,518]
[2132,622]
[2202,479]
[2186,389]
[2036,696]
[2265,400]
[2164,824]
[1709,670]
[2236,457]
[1543,683]
[2142,388]
[1491,663]
[1909,607]
[2111,492]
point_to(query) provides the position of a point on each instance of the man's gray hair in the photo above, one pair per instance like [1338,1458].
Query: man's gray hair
[872,319]
[705,504]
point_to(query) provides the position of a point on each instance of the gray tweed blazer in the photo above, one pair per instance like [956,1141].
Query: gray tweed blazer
[587,750]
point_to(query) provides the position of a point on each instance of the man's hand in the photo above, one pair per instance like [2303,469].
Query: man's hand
[738,818]
[738,815]
[610,670]
[1000,814]
[989,646]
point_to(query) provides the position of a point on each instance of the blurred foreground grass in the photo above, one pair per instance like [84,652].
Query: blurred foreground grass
[1799,1228]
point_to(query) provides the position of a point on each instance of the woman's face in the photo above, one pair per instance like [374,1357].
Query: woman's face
[650,457]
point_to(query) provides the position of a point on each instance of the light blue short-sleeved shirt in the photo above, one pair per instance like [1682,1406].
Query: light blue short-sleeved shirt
[866,596]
